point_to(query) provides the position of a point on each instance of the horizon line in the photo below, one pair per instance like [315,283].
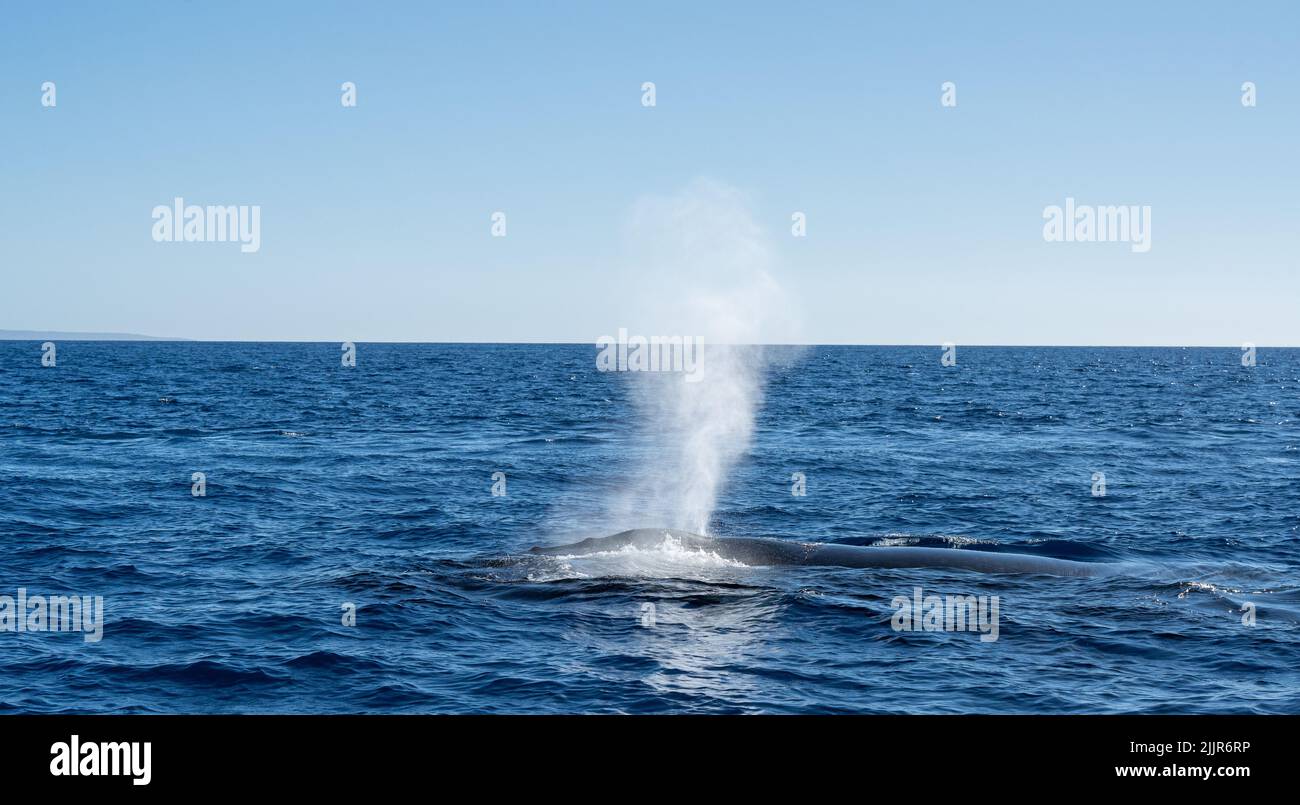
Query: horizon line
[106,337]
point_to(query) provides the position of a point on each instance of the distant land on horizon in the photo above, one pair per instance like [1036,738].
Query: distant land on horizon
[63,335]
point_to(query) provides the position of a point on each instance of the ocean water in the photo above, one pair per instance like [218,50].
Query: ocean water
[372,486]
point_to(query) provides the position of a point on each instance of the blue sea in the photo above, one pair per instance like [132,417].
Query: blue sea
[370,489]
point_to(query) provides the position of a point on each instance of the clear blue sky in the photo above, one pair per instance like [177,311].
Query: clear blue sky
[924,223]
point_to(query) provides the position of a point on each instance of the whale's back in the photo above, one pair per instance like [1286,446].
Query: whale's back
[762,551]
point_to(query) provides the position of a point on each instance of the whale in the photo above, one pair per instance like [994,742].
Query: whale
[769,551]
